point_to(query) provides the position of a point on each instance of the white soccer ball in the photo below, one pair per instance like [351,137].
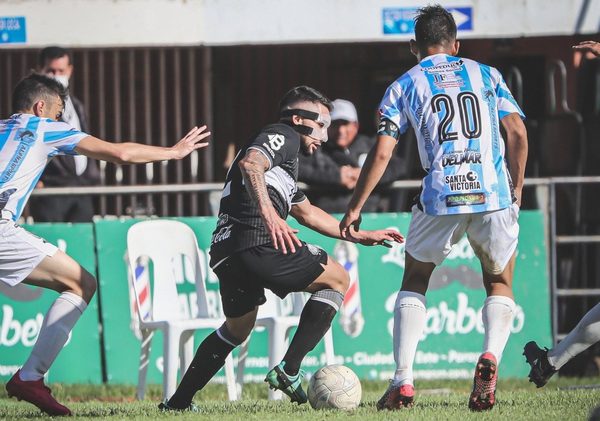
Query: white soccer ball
[334,387]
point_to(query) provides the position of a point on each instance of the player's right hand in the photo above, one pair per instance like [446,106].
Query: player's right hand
[351,219]
[282,235]
[190,142]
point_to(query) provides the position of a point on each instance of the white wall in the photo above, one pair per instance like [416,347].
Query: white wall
[95,23]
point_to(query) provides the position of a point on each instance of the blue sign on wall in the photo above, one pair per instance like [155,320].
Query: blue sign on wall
[400,20]
[12,30]
[463,16]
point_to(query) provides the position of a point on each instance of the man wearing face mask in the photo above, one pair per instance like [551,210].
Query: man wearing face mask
[333,171]
[65,171]
[254,248]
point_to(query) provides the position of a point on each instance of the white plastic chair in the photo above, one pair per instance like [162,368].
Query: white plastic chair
[164,242]
[273,316]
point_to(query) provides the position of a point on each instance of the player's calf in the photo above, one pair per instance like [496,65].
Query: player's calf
[315,321]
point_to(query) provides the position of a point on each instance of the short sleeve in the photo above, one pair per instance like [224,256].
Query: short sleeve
[504,100]
[393,109]
[62,137]
[279,143]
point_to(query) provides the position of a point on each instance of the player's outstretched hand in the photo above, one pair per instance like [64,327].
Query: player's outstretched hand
[378,237]
[282,235]
[350,219]
[589,46]
[190,142]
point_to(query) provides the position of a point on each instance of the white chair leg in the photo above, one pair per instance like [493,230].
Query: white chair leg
[232,392]
[329,350]
[277,345]
[170,357]
[147,336]
[186,351]
[241,366]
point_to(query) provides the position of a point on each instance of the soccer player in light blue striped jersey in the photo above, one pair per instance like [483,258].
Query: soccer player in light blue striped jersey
[473,185]
[28,140]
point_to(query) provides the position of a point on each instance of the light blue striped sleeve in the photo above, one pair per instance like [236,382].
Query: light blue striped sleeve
[392,107]
[505,101]
[61,137]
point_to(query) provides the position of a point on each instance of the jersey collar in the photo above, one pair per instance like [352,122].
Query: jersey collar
[433,55]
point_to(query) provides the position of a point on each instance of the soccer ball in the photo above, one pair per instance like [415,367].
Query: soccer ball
[334,387]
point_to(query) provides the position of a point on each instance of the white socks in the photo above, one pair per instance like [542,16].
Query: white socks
[497,313]
[57,325]
[585,334]
[410,316]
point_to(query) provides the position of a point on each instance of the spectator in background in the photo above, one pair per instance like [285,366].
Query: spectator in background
[591,47]
[65,170]
[332,172]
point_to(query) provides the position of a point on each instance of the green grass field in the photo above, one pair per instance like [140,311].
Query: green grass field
[562,399]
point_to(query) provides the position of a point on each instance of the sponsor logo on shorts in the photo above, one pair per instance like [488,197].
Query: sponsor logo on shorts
[463,157]
[462,182]
[316,251]
[467,199]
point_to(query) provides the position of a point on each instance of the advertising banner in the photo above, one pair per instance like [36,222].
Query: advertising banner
[362,333]
[22,310]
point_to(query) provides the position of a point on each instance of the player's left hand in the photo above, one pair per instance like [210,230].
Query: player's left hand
[190,142]
[377,237]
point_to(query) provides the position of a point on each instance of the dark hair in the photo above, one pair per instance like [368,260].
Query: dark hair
[301,94]
[434,25]
[52,53]
[33,88]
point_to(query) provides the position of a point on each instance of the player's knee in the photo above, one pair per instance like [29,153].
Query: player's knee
[238,333]
[238,329]
[88,285]
[339,279]
[231,333]
[492,268]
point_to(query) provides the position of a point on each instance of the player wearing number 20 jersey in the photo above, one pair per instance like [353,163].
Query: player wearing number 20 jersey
[455,105]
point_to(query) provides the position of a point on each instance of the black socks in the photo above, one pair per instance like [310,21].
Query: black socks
[209,359]
[315,320]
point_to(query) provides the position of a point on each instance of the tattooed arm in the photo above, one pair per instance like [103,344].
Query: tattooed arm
[253,167]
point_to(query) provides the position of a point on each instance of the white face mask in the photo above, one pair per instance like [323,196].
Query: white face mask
[317,133]
[62,79]
[320,133]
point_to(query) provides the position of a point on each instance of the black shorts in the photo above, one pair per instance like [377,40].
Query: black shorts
[243,276]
